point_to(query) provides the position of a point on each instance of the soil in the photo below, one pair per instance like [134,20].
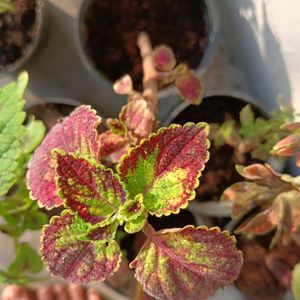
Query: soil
[112,27]
[17,31]
[219,172]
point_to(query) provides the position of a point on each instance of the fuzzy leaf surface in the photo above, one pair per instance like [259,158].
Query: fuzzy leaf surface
[113,146]
[188,263]
[77,252]
[11,130]
[89,189]
[164,58]
[277,196]
[190,87]
[166,167]
[138,118]
[76,133]
[123,86]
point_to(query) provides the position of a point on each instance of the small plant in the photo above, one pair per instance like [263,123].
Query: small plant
[18,211]
[290,145]
[6,5]
[156,174]
[255,135]
[269,203]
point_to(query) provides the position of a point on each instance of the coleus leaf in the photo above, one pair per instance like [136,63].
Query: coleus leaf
[123,86]
[89,189]
[245,196]
[166,167]
[190,87]
[296,282]
[78,252]
[289,146]
[76,133]
[164,58]
[277,196]
[134,213]
[116,126]
[11,130]
[188,263]
[113,146]
[138,118]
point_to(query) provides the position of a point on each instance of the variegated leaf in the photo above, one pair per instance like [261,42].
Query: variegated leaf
[123,86]
[74,250]
[134,213]
[166,167]
[190,87]
[76,133]
[245,196]
[138,118]
[164,58]
[89,189]
[288,146]
[188,263]
[113,146]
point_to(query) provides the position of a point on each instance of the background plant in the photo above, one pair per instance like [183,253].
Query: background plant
[254,135]
[17,211]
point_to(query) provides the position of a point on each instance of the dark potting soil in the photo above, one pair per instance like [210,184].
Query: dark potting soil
[219,172]
[112,27]
[17,30]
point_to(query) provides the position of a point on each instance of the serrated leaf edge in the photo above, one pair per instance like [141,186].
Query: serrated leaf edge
[205,127]
[94,164]
[96,124]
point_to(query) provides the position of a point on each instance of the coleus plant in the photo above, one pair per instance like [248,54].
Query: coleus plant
[268,203]
[18,212]
[137,119]
[156,177]
[276,195]
[290,145]
[254,135]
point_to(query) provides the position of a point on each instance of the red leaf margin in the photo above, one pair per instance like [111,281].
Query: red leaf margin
[202,125]
[57,263]
[206,286]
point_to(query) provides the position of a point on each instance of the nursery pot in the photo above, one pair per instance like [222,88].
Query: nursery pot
[20,34]
[219,172]
[107,40]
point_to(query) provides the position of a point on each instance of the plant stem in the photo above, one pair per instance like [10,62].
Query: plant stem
[139,292]
[149,231]
[150,73]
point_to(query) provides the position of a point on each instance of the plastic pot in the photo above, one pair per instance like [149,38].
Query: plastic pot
[211,20]
[30,48]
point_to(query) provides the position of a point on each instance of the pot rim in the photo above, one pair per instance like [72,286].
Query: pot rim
[30,49]
[209,51]
[216,93]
